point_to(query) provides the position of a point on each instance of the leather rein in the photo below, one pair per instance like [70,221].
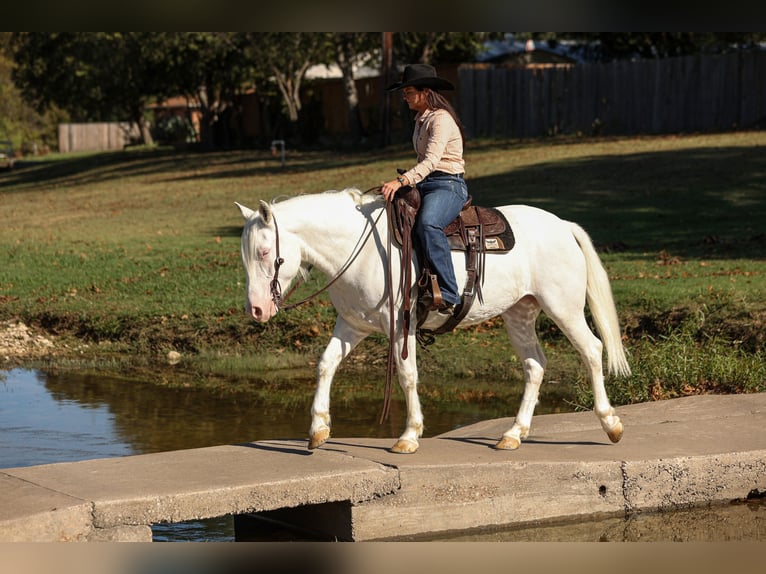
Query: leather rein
[276,287]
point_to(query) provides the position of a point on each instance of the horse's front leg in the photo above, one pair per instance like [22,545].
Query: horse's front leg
[407,370]
[343,341]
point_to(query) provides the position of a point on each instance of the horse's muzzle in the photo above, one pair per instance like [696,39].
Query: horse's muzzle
[259,313]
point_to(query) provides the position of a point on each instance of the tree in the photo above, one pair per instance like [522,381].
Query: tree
[650,45]
[353,48]
[94,76]
[19,122]
[111,76]
[287,56]
[437,47]
[208,67]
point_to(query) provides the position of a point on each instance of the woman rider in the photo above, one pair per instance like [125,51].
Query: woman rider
[438,174]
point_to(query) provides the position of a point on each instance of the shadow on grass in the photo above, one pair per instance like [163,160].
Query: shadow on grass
[178,165]
[707,202]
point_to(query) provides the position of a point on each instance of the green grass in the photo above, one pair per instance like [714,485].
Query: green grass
[137,253]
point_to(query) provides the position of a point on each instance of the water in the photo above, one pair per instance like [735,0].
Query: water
[40,426]
[48,417]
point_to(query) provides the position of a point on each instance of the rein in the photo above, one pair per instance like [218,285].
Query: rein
[276,287]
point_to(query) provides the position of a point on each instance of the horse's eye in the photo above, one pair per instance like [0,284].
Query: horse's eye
[265,252]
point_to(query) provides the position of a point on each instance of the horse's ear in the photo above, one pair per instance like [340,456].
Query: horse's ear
[247,213]
[265,210]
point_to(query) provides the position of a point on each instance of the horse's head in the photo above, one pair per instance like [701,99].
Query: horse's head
[261,248]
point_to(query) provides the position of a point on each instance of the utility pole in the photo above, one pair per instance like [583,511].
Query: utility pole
[387,69]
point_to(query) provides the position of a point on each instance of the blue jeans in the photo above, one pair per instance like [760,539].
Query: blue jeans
[442,198]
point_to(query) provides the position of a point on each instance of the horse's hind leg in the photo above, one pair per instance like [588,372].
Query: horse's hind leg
[590,348]
[520,325]
[343,341]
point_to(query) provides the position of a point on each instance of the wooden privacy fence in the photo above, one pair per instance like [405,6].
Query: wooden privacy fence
[687,94]
[95,136]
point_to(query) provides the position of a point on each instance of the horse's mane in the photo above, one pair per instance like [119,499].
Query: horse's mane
[356,195]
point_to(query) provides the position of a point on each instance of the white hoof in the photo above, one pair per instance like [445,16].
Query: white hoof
[615,433]
[319,438]
[508,443]
[404,446]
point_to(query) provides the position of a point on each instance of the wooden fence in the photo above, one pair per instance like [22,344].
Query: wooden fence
[703,93]
[95,136]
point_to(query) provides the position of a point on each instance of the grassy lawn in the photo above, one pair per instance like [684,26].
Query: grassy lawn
[126,256]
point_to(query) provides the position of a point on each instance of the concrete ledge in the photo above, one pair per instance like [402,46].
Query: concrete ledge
[675,454]
[198,483]
[492,495]
[689,481]
[121,534]
[30,513]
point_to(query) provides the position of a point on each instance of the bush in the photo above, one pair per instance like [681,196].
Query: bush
[174,130]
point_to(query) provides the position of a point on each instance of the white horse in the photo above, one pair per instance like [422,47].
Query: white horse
[552,267]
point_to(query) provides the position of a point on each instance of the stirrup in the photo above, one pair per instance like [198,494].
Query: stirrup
[430,296]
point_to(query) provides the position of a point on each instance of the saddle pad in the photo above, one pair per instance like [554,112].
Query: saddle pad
[497,233]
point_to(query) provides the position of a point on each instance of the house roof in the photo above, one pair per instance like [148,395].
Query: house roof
[323,72]
[510,50]
[175,102]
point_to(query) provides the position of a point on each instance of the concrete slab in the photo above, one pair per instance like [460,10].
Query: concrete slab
[32,513]
[208,482]
[674,454]
[688,426]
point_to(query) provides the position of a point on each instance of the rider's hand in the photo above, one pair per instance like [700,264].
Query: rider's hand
[389,188]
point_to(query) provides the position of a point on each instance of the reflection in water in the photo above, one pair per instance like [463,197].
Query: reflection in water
[39,426]
[156,419]
[735,522]
[151,418]
[60,417]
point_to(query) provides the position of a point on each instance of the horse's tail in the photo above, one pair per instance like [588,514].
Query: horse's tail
[601,303]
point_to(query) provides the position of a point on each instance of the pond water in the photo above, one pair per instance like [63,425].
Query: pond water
[48,417]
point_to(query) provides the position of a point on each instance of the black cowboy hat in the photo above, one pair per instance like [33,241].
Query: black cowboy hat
[421,76]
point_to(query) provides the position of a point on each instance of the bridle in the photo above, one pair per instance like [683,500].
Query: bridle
[275,286]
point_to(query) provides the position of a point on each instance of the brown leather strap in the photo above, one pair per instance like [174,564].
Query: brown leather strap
[402,215]
[474,271]
[388,389]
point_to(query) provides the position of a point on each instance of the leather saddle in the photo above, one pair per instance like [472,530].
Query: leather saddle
[476,231]
[496,232]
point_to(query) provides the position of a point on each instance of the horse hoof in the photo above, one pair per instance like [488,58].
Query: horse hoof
[405,447]
[508,443]
[615,433]
[319,438]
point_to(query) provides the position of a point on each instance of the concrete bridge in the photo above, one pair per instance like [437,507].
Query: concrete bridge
[679,453]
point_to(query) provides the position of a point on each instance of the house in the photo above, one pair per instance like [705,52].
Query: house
[512,53]
[176,119]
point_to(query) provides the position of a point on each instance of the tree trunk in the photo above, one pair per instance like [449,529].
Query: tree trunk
[145,134]
[290,87]
[205,123]
[345,56]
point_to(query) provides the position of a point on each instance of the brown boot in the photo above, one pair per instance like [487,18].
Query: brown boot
[446,309]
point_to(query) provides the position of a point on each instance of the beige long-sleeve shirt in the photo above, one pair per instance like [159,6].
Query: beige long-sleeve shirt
[438,143]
